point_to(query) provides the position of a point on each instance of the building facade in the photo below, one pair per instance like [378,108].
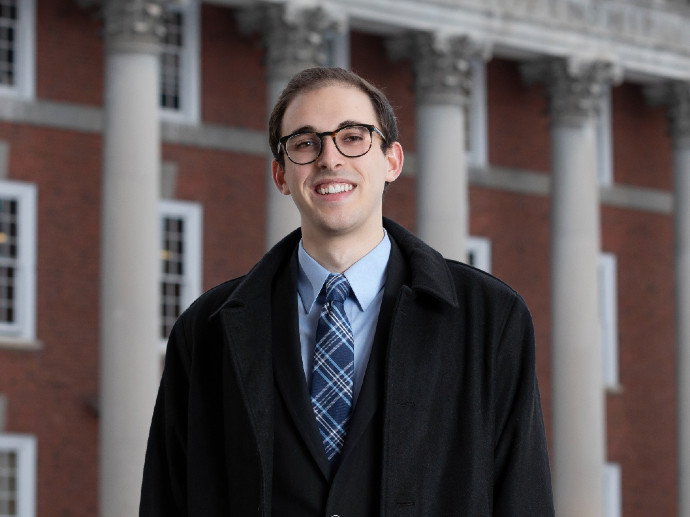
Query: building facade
[546,141]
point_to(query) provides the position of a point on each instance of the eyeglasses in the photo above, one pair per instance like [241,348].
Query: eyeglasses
[352,141]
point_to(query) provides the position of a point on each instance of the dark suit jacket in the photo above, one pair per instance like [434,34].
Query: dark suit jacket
[450,417]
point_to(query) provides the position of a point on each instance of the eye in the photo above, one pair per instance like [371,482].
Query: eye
[303,142]
[353,135]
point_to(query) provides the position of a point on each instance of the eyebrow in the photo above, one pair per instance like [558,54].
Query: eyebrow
[311,129]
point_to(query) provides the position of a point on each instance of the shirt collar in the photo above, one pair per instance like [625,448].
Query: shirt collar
[367,276]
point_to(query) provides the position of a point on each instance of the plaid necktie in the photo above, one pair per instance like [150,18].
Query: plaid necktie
[333,369]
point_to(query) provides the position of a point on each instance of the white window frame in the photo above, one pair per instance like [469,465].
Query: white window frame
[605,139]
[477,112]
[25,53]
[608,306]
[192,215]
[479,253]
[24,328]
[613,499]
[24,446]
[190,75]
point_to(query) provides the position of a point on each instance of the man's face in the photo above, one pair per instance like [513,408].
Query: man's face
[356,206]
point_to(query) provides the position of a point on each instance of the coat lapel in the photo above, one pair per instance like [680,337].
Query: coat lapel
[370,395]
[288,369]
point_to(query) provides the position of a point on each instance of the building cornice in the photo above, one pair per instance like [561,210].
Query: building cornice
[647,40]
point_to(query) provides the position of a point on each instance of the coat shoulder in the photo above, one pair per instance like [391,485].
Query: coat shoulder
[469,277]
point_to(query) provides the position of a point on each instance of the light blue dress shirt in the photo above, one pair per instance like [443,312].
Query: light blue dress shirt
[367,278]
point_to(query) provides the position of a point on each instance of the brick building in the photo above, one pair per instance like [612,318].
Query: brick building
[547,141]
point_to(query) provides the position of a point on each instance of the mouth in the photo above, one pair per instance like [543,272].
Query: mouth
[327,189]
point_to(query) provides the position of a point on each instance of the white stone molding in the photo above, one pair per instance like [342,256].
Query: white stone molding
[648,39]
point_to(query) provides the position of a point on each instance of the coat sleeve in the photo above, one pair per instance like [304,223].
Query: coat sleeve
[163,492]
[522,480]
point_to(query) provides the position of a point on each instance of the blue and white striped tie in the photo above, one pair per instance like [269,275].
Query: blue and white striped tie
[333,369]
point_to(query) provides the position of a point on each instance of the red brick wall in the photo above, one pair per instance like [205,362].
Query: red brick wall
[517,119]
[233,81]
[232,188]
[49,390]
[69,46]
[642,418]
[641,144]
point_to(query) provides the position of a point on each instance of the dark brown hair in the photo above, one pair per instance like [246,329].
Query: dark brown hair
[314,78]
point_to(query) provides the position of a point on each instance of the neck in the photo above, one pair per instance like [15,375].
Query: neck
[337,253]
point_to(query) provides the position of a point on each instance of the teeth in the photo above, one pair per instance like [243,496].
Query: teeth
[335,188]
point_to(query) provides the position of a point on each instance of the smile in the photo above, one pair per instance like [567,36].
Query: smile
[334,188]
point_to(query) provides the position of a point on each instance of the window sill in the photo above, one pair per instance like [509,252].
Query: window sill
[15,343]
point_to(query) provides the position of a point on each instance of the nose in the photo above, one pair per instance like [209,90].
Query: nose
[330,158]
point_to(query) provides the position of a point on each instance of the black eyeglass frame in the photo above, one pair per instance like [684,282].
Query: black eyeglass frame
[372,128]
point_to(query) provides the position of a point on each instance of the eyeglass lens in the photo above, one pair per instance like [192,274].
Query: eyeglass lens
[351,141]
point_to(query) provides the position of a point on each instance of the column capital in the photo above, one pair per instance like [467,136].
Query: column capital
[574,86]
[675,95]
[134,24]
[292,35]
[442,65]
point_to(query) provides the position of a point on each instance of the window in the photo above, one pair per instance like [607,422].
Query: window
[181,224]
[17,261]
[612,490]
[479,253]
[608,306]
[475,117]
[17,476]
[17,47]
[179,73]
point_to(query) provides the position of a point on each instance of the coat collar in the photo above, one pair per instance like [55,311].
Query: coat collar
[429,272]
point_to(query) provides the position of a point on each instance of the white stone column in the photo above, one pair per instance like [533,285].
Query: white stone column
[130,253]
[294,40]
[442,69]
[679,114]
[579,423]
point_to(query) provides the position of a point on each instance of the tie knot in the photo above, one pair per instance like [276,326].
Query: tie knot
[337,288]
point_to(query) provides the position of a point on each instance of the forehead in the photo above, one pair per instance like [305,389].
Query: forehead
[325,108]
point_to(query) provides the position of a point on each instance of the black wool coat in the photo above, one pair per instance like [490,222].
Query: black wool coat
[461,427]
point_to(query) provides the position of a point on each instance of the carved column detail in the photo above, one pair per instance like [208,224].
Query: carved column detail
[442,65]
[292,35]
[134,23]
[574,87]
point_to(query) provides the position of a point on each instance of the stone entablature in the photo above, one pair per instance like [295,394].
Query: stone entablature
[639,22]
[647,39]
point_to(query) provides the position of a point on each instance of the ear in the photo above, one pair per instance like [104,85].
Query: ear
[279,178]
[395,159]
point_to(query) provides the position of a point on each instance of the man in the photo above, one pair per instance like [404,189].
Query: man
[353,371]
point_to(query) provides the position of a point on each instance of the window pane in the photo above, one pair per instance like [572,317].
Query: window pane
[8,258]
[8,26]
[171,56]
[8,484]
[173,272]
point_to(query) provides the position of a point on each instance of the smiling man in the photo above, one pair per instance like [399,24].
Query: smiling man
[353,372]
